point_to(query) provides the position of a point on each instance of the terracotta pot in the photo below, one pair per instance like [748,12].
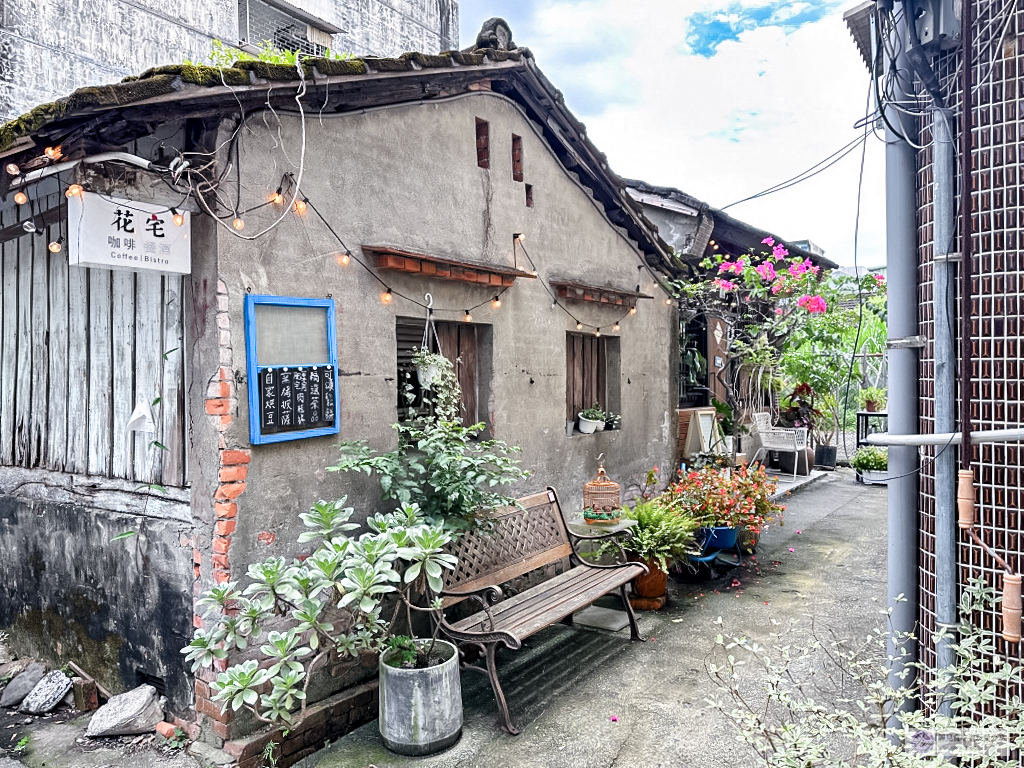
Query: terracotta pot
[870,406]
[650,584]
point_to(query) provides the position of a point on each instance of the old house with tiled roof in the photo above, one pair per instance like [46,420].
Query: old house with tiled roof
[184,251]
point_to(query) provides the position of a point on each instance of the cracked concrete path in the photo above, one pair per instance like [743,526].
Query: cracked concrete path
[567,683]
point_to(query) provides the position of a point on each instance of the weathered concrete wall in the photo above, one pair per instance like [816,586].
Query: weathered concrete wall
[68,592]
[407,177]
[51,47]
[389,27]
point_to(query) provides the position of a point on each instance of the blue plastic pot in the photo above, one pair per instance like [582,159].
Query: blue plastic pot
[720,538]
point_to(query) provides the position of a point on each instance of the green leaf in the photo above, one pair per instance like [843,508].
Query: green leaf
[125,535]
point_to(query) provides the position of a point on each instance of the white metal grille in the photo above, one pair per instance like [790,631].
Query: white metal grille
[260,23]
[997,333]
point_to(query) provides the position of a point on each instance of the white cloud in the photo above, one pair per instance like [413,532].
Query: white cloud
[763,108]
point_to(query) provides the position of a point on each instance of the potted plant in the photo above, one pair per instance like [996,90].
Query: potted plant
[428,367]
[328,606]
[723,505]
[601,516]
[824,432]
[872,462]
[612,420]
[872,399]
[591,419]
[661,537]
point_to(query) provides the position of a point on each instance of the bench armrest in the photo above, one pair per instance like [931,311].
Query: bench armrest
[613,536]
[486,596]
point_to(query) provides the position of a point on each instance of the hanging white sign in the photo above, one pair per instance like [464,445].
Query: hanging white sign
[124,234]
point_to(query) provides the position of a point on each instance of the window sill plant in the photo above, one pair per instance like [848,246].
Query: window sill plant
[592,419]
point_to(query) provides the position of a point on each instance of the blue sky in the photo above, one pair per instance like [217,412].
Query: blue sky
[721,98]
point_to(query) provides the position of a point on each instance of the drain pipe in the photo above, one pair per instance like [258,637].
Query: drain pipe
[944,319]
[901,259]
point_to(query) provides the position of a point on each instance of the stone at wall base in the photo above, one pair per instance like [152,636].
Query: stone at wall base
[648,603]
[22,685]
[137,711]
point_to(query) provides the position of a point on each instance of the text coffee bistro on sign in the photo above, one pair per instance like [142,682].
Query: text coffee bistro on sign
[125,234]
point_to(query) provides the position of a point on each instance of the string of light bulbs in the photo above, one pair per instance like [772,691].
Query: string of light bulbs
[299,204]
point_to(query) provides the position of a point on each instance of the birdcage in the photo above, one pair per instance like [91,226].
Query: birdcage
[601,494]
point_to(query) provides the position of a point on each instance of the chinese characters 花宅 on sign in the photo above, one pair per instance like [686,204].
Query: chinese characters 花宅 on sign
[124,234]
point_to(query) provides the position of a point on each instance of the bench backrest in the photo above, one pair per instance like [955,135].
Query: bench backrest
[522,538]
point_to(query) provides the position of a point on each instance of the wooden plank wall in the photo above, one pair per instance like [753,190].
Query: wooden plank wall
[80,348]
[586,371]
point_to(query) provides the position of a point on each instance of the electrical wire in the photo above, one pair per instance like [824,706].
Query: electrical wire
[839,154]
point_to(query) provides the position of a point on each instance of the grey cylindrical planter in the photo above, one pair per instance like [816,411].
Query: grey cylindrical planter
[421,709]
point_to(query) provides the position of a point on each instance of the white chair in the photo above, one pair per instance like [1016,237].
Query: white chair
[779,439]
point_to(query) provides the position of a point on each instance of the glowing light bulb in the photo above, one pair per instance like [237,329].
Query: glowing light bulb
[467,318]
[300,207]
[52,152]
[13,169]
[343,259]
[386,297]
[72,190]
[597,332]
[20,198]
[579,326]
[496,303]
[238,224]
[714,247]
[615,327]
[632,310]
[55,246]
[711,241]
[179,218]
[668,302]
[277,197]
[519,236]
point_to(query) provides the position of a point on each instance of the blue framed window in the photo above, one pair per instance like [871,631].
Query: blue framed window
[292,367]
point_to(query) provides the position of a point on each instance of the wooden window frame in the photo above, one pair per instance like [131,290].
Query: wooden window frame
[466,345]
[586,371]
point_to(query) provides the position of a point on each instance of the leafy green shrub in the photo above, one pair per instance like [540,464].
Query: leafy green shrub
[440,464]
[327,606]
[870,458]
[830,703]
[660,534]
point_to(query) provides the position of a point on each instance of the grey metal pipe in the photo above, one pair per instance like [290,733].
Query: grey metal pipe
[944,320]
[1010,435]
[901,257]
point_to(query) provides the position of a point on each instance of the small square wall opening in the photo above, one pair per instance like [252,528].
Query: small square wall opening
[483,148]
[529,195]
[517,158]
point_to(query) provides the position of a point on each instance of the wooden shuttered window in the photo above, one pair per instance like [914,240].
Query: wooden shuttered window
[517,158]
[80,348]
[586,372]
[460,343]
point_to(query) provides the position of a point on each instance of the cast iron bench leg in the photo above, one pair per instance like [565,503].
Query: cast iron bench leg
[634,630]
[499,696]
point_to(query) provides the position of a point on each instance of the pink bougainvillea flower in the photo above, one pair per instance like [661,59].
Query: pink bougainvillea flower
[802,301]
[778,311]
[777,287]
[735,583]
[779,251]
[879,278]
[766,271]
[768,241]
[614,719]
[725,285]
[792,550]
[817,305]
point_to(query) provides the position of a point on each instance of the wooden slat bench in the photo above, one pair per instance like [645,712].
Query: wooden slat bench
[522,539]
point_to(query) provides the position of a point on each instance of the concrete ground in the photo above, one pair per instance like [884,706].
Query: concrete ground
[827,564]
